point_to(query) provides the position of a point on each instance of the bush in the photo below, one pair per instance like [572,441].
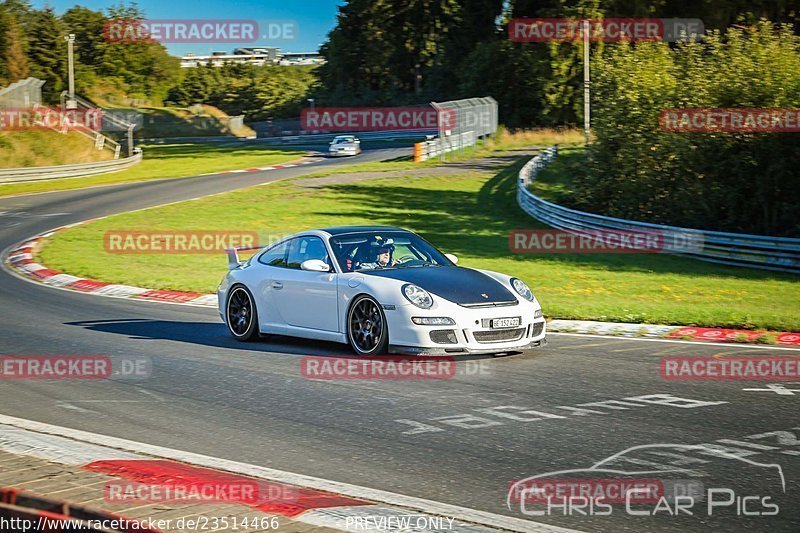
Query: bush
[740,182]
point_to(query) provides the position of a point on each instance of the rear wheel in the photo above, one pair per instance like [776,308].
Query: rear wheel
[240,311]
[367,331]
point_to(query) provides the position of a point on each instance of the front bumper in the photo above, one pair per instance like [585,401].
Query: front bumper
[337,153]
[471,333]
[412,350]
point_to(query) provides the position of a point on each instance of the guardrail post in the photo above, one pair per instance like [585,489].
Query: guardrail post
[130,139]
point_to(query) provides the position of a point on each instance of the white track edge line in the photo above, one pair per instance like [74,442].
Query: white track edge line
[354,491]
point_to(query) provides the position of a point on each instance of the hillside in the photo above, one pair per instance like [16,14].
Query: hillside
[47,148]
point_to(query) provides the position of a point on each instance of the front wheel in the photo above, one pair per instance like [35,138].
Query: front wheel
[367,331]
[240,311]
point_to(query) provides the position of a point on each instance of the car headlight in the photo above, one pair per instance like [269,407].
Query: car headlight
[417,296]
[522,289]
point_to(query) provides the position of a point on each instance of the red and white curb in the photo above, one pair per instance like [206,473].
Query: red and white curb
[315,501]
[624,329]
[260,169]
[21,260]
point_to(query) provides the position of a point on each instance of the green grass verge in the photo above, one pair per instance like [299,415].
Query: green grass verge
[169,161]
[470,215]
[503,143]
[554,182]
[32,148]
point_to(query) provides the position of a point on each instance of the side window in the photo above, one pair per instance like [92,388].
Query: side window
[305,248]
[275,256]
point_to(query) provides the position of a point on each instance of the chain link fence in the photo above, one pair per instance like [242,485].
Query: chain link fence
[22,94]
[463,122]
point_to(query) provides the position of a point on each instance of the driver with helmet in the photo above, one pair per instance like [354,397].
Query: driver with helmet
[379,254]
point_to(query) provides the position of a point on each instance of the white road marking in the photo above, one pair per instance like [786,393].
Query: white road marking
[525,414]
[65,405]
[45,433]
[151,394]
[776,388]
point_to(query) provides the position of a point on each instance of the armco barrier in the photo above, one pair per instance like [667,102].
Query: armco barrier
[754,251]
[17,175]
[442,145]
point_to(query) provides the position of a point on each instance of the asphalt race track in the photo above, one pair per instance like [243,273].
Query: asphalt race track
[461,441]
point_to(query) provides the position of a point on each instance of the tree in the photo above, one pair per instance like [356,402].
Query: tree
[13,54]
[47,52]
[88,26]
[740,182]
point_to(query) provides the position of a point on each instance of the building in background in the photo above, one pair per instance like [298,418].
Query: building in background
[253,56]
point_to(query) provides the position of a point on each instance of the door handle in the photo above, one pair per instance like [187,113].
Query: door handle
[277,285]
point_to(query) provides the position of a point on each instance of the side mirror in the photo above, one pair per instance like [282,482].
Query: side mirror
[357,141]
[452,258]
[315,265]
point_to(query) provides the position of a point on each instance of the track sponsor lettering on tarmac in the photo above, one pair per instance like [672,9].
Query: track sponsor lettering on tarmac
[505,414]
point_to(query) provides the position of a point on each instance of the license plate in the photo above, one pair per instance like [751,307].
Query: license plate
[504,322]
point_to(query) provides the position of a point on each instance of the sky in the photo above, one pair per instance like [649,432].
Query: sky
[314,18]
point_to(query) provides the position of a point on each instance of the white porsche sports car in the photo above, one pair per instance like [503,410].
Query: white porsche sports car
[379,289]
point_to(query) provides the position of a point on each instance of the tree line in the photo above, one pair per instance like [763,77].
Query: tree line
[739,182]
[32,43]
[385,51]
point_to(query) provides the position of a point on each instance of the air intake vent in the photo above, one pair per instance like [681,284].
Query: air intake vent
[498,335]
[444,336]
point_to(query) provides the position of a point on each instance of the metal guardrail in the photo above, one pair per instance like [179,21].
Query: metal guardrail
[364,135]
[19,175]
[442,145]
[753,251]
[315,138]
[110,122]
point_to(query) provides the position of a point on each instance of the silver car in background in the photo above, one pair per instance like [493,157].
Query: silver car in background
[344,145]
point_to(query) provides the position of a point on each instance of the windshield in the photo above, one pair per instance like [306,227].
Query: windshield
[378,250]
[344,140]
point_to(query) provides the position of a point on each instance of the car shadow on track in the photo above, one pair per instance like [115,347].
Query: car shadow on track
[208,334]
[216,335]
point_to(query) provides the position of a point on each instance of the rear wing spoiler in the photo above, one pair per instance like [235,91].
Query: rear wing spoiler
[233,255]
